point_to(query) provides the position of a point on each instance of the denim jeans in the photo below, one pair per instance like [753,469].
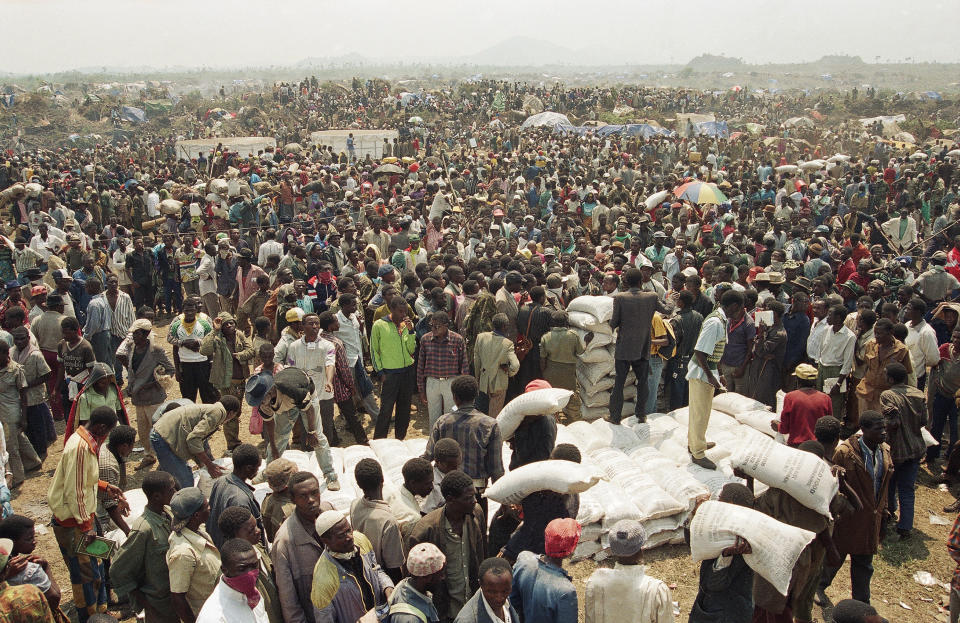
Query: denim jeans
[861,571]
[902,486]
[944,412]
[283,427]
[102,349]
[679,390]
[172,295]
[170,462]
[653,383]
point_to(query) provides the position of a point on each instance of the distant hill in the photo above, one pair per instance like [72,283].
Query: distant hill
[710,62]
[840,60]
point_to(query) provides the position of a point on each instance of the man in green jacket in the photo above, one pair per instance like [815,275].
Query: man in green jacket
[392,343]
[139,568]
[229,351]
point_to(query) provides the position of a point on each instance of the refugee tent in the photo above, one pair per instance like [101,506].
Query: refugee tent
[546,119]
[155,108]
[133,114]
[532,105]
[798,122]
[716,129]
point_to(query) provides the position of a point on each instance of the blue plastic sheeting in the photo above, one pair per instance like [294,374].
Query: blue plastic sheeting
[933,95]
[632,129]
[136,115]
[716,129]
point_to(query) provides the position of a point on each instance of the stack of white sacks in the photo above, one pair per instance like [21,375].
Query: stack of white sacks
[629,471]
[595,369]
[650,478]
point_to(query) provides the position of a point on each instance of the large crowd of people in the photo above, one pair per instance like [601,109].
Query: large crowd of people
[314,298]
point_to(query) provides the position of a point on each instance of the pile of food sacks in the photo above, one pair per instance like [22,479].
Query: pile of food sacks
[590,315]
[630,470]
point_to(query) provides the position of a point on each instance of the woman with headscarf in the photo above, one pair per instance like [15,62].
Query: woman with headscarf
[99,390]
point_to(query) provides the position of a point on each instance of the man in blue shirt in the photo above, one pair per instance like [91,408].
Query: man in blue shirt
[542,591]
[796,322]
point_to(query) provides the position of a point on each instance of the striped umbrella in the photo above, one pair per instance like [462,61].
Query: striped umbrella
[700,193]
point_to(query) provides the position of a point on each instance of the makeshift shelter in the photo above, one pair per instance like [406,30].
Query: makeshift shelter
[546,119]
[532,105]
[889,124]
[633,129]
[155,108]
[798,122]
[133,114]
[716,129]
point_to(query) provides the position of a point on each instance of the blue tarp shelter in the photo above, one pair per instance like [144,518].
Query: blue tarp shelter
[717,129]
[133,114]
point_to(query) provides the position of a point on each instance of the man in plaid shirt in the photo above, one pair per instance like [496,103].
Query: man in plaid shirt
[477,434]
[443,356]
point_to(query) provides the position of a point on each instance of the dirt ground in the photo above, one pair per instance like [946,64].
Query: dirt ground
[895,594]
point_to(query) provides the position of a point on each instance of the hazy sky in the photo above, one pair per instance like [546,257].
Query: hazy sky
[52,35]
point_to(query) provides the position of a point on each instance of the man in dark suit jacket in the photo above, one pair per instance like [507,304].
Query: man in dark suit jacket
[496,580]
[632,316]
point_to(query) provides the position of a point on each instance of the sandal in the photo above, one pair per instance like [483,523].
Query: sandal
[146,462]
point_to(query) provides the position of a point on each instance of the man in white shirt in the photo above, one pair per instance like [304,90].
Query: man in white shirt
[673,262]
[235,597]
[46,242]
[817,329]
[902,231]
[269,247]
[835,357]
[626,592]
[921,341]
[207,276]
[703,375]
[316,357]
[152,202]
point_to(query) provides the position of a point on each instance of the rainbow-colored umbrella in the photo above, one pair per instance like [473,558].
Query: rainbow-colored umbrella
[700,192]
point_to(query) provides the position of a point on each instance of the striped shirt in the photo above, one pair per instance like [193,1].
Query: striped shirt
[25,259]
[123,315]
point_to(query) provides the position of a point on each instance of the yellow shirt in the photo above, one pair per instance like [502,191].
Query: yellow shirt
[73,492]
[194,565]
[659,329]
